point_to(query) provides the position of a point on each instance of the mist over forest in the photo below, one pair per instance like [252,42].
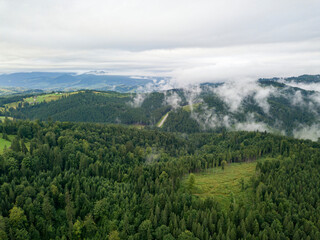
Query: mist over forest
[159,120]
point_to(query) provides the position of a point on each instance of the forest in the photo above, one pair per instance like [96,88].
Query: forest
[91,106]
[284,109]
[63,180]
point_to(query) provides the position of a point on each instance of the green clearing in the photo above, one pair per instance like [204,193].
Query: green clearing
[188,107]
[162,120]
[225,185]
[2,118]
[114,94]
[40,98]
[137,126]
[5,143]
[48,97]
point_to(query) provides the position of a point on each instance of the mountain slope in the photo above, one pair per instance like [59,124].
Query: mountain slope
[284,106]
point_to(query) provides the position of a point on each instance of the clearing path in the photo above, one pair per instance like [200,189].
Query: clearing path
[162,120]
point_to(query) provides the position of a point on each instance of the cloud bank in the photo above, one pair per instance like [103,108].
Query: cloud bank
[190,41]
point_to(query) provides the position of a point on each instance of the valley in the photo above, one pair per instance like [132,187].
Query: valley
[159,120]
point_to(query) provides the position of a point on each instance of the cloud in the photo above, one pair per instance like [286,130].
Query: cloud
[304,86]
[251,125]
[186,42]
[137,100]
[192,41]
[308,132]
[233,93]
[173,100]
[139,24]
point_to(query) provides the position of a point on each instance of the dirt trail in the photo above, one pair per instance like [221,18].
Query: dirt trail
[163,120]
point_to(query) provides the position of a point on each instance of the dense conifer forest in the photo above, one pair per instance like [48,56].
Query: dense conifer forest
[93,181]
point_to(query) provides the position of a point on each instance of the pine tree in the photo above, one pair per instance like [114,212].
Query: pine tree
[15,145]
[24,149]
[191,181]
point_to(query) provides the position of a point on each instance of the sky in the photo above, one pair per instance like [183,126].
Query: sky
[191,41]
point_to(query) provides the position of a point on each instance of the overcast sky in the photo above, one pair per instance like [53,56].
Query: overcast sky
[189,40]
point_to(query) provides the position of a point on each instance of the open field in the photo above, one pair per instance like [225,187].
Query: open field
[5,143]
[188,107]
[40,98]
[2,118]
[138,126]
[114,94]
[224,185]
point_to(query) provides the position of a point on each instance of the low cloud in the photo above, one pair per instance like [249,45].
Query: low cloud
[137,100]
[233,93]
[172,99]
[251,125]
[305,86]
[308,132]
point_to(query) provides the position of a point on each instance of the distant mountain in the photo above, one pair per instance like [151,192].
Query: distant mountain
[7,91]
[262,106]
[72,81]
[289,106]
[307,79]
[305,82]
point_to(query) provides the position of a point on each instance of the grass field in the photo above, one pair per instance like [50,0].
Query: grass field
[7,143]
[56,96]
[188,107]
[138,126]
[40,98]
[2,118]
[224,185]
[47,97]
[4,142]
[114,94]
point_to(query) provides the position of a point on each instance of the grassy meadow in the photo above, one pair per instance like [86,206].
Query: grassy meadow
[230,184]
[5,143]
[40,98]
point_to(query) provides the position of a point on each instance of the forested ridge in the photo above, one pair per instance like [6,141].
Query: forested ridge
[285,109]
[93,181]
[91,106]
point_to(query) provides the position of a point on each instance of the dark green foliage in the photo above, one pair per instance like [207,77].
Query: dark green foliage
[89,106]
[90,181]
[286,109]
[181,121]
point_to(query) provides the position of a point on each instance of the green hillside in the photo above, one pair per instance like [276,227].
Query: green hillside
[283,110]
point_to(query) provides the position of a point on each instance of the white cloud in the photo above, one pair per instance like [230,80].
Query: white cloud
[138,100]
[193,41]
[233,93]
[252,126]
[173,100]
[308,132]
[305,86]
